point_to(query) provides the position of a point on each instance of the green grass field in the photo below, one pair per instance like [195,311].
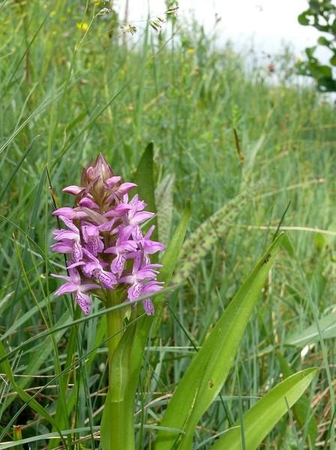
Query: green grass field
[70,91]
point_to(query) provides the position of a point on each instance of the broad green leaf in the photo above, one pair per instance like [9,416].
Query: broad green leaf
[302,409]
[209,368]
[265,414]
[117,427]
[205,237]
[144,178]
[324,329]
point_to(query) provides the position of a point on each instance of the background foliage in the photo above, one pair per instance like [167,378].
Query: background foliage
[72,84]
[321,14]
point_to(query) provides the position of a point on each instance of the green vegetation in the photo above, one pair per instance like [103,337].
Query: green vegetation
[321,15]
[73,84]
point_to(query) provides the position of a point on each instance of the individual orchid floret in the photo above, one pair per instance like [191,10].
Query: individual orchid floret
[69,241]
[150,247]
[75,285]
[94,268]
[103,241]
[142,279]
[148,289]
[123,247]
[93,239]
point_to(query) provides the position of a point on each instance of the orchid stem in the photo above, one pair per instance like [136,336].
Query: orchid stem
[116,428]
[114,321]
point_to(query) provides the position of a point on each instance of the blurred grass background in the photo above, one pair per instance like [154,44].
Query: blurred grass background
[73,84]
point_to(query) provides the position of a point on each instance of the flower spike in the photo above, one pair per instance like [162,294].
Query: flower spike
[103,240]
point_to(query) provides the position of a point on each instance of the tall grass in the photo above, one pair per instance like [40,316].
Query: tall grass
[68,93]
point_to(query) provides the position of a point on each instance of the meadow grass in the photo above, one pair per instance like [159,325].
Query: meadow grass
[68,93]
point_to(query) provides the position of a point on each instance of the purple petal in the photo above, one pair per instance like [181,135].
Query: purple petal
[84,302]
[124,188]
[73,190]
[62,247]
[88,203]
[107,279]
[140,217]
[148,307]
[134,292]
[77,252]
[118,264]
[66,288]
[151,287]
[111,182]
[69,213]
[119,211]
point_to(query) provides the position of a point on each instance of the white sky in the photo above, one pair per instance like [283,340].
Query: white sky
[270,22]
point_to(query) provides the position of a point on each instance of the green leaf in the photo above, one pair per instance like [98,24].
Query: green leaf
[323,41]
[287,244]
[303,19]
[302,409]
[209,368]
[325,328]
[326,84]
[321,71]
[310,52]
[117,427]
[144,178]
[265,414]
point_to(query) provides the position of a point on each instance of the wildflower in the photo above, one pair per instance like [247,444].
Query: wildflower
[83,26]
[104,242]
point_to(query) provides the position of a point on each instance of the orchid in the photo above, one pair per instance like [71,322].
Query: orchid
[104,241]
